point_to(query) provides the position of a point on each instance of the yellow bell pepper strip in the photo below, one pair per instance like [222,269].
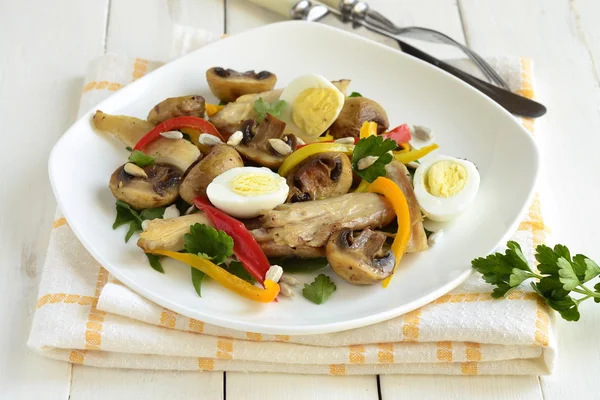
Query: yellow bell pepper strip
[403,147]
[212,109]
[363,186]
[326,138]
[311,149]
[395,196]
[368,129]
[414,155]
[224,278]
[194,135]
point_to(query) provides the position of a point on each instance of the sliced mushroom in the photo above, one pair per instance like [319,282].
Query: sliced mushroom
[177,107]
[359,260]
[220,159]
[320,176]
[159,188]
[357,110]
[255,144]
[167,234]
[228,84]
[180,153]
[128,130]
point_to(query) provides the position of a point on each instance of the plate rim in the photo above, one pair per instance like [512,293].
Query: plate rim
[267,328]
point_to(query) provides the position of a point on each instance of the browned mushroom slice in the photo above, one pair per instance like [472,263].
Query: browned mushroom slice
[320,176]
[359,260]
[220,159]
[228,84]
[357,110]
[156,186]
[256,145]
[177,107]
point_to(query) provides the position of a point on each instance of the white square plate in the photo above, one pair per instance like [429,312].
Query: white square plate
[466,123]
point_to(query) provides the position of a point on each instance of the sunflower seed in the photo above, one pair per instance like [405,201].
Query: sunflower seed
[280,146]
[274,273]
[435,237]
[236,138]
[134,170]
[286,290]
[145,224]
[190,210]
[345,140]
[209,140]
[421,132]
[172,135]
[120,185]
[171,212]
[366,162]
[413,165]
[288,280]
[300,142]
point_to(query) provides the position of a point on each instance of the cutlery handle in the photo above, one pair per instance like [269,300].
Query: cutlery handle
[281,7]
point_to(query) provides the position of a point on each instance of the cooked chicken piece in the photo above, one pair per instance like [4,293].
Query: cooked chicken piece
[310,223]
[167,234]
[398,173]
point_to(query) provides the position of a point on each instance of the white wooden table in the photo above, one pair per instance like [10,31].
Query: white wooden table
[45,47]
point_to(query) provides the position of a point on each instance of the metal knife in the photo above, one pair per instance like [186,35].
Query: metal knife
[313,11]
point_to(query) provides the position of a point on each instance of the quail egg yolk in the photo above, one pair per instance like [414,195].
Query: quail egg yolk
[445,178]
[254,184]
[315,109]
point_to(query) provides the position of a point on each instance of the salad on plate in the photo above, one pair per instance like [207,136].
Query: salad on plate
[271,182]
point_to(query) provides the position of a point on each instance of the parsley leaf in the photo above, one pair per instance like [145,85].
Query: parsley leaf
[127,215]
[154,261]
[197,278]
[129,149]
[559,276]
[373,146]
[263,108]
[319,290]
[141,159]
[355,94]
[209,243]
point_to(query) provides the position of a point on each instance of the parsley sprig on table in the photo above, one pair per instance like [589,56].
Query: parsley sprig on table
[375,146]
[559,276]
[320,290]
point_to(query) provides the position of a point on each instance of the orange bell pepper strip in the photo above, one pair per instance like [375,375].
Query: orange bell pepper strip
[368,129]
[212,109]
[311,149]
[395,196]
[224,278]
[414,155]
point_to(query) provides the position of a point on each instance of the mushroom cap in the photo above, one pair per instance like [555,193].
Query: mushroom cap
[159,188]
[228,84]
[320,176]
[360,260]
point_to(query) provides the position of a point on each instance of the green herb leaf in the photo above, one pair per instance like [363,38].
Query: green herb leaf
[154,261]
[197,278]
[129,149]
[237,268]
[567,308]
[298,265]
[152,213]
[375,146]
[355,94]
[567,275]
[592,269]
[517,277]
[597,288]
[263,108]
[319,290]
[207,242]
[141,159]
[127,215]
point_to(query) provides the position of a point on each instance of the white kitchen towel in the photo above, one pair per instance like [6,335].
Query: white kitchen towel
[86,317]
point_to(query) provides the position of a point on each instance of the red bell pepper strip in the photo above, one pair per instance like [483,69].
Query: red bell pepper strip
[245,246]
[401,134]
[177,123]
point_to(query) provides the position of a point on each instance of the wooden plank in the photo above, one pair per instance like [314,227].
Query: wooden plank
[552,34]
[45,48]
[269,386]
[143,28]
[460,387]
[122,384]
